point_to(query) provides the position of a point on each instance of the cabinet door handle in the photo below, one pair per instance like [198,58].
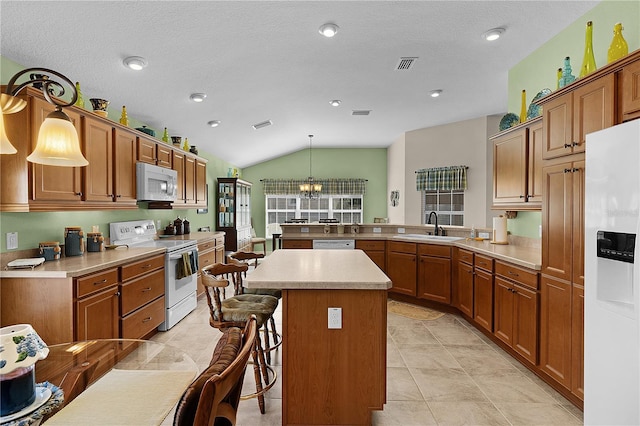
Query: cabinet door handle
[118,196]
[147,319]
[147,266]
[100,282]
[575,169]
[522,196]
[567,171]
[117,293]
[575,144]
[79,194]
[515,274]
[144,290]
[568,145]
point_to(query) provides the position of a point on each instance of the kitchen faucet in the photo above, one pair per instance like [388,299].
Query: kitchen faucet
[435,230]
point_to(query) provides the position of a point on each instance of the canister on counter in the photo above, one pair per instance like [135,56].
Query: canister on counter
[50,250]
[95,241]
[177,223]
[186,226]
[73,241]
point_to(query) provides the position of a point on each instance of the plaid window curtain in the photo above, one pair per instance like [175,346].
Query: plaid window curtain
[329,186]
[450,178]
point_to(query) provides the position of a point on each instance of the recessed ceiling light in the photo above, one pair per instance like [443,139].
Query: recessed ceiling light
[328,29]
[493,34]
[135,63]
[435,93]
[335,102]
[214,123]
[198,97]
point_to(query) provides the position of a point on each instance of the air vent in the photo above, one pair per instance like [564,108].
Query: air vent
[405,63]
[263,124]
[360,112]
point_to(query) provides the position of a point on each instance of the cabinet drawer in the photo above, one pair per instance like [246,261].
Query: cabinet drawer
[220,241]
[94,282]
[297,244]
[207,245]
[515,273]
[144,320]
[484,262]
[143,266]
[402,247]
[370,245]
[206,258]
[465,256]
[141,291]
[434,250]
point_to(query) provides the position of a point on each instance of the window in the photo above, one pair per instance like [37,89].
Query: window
[449,205]
[344,208]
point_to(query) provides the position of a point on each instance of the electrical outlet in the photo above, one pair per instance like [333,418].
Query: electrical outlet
[400,230]
[484,235]
[304,229]
[12,240]
[335,318]
[377,230]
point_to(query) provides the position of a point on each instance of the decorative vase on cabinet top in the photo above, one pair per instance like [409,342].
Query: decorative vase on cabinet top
[589,61]
[80,100]
[567,77]
[619,47]
[523,107]
[124,118]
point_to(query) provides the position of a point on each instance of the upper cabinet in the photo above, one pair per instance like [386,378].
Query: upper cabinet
[107,182]
[517,166]
[629,87]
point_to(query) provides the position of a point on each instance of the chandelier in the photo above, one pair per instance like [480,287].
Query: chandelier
[310,189]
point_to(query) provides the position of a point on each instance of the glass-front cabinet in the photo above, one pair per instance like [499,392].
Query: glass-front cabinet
[234,212]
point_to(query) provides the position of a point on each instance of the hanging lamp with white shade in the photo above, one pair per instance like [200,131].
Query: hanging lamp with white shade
[310,189]
[58,143]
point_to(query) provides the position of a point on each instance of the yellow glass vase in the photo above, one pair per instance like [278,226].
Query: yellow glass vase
[124,118]
[619,47]
[165,136]
[558,77]
[80,100]
[185,146]
[523,107]
[589,61]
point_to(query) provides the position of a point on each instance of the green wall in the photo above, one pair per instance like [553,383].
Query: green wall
[538,70]
[368,164]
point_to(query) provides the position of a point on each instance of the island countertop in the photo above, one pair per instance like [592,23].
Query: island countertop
[318,269]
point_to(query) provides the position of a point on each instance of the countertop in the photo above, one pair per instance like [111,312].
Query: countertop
[318,269]
[89,262]
[528,257]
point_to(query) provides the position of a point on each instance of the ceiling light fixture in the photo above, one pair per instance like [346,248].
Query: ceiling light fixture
[310,189]
[198,97]
[435,93]
[328,29]
[58,143]
[214,123]
[493,34]
[135,63]
[335,102]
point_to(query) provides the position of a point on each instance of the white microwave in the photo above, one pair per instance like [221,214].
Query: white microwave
[155,183]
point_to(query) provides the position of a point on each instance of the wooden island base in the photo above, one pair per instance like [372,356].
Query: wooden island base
[333,376]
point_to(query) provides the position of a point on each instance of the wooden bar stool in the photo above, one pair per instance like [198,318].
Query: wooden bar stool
[235,312]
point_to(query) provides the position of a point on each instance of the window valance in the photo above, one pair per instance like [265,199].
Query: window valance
[331,186]
[451,178]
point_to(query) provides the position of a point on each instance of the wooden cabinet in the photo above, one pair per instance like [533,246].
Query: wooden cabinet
[517,165]
[464,284]
[577,341]
[297,244]
[630,90]
[234,212]
[177,164]
[152,152]
[201,183]
[555,329]
[210,251]
[96,306]
[570,117]
[483,292]
[98,181]
[375,249]
[124,166]
[189,180]
[516,309]
[401,267]
[142,297]
[434,273]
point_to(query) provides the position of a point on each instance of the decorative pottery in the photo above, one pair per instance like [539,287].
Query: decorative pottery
[534,109]
[523,107]
[100,106]
[619,47]
[509,120]
[165,136]
[186,144]
[124,118]
[193,150]
[589,61]
[567,77]
[145,129]
[80,100]
[176,140]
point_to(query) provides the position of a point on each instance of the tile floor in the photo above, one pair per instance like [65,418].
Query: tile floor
[440,372]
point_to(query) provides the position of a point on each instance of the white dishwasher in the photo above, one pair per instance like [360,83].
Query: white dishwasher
[334,244]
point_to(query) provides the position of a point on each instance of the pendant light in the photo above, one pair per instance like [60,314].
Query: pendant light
[58,143]
[310,189]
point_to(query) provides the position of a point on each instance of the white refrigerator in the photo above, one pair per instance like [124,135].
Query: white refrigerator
[612,292]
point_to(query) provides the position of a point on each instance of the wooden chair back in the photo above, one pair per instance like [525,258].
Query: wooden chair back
[217,390]
[215,279]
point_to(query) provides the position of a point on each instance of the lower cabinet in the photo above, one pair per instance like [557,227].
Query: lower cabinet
[210,251]
[465,288]
[97,306]
[483,292]
[516,310]
[375,249]
[434,273]
[577,341]
[401,267]
[297,244]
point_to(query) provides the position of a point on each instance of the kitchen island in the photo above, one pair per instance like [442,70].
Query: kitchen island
[330,375]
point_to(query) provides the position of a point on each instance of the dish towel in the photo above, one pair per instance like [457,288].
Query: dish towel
[183,267]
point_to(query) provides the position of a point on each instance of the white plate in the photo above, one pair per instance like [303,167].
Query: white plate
[26,263]
[42,395]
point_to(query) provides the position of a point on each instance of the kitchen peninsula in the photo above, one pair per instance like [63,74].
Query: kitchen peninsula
[330,375]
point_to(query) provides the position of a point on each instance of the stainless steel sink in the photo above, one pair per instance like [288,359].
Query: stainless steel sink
[428,237]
